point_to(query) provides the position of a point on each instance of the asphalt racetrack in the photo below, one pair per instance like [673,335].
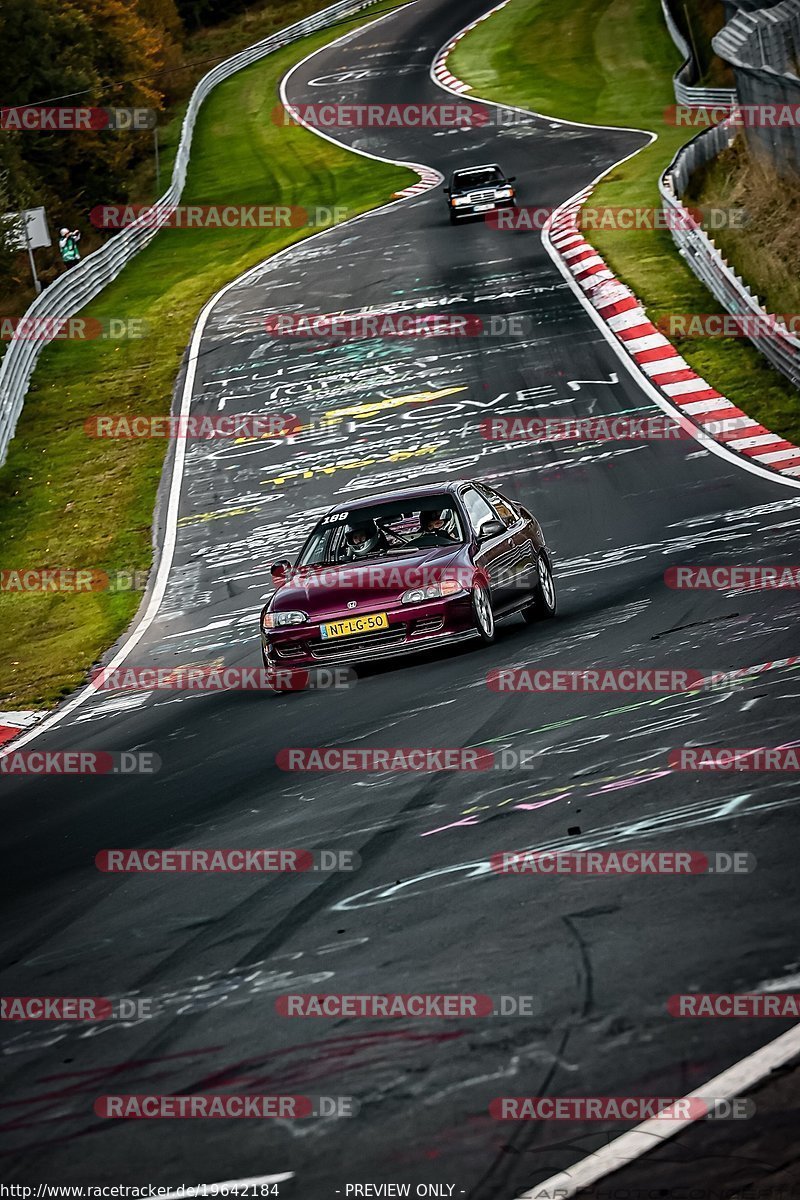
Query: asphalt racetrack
[423,913]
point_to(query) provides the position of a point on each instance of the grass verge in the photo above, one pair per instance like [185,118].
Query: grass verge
[611,62]
[201,50]
[767,252]
[68,501]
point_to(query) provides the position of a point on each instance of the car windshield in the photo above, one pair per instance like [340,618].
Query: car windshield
[480,178]
[382,530]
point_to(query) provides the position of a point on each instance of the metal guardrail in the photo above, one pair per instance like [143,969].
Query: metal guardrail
[67,295]
[778,345]
[763,47]
[685,93]
[696,153]
[768,39]
[702,97]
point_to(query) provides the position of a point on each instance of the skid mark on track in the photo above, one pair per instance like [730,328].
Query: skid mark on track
[692,816]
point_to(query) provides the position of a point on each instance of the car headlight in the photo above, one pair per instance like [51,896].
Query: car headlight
[504,193]
[434,591]
[277,620]
[460,201]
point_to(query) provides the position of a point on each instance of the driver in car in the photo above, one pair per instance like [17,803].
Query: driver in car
[363,539]
[434,525]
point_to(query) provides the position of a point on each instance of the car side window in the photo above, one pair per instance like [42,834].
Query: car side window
[503,509]
[478,509]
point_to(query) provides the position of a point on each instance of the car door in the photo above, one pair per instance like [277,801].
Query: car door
[522,573]
[493,553]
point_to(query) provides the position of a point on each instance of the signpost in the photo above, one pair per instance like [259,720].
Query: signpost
[27,230]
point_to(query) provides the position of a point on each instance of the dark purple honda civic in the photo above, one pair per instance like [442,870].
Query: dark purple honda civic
[406,571]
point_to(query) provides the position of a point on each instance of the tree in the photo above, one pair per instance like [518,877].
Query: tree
[13,198]
[99,53]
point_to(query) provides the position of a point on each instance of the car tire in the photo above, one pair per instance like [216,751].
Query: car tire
[452,216]
[483,614]
[544,603]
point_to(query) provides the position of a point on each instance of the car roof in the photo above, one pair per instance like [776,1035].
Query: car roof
[410,493]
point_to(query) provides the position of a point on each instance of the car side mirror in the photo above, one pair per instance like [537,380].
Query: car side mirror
[280,570]
[490,529]
[511,179]
[446,190]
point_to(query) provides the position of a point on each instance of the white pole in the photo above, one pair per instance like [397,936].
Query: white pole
[158,165]
[37,285]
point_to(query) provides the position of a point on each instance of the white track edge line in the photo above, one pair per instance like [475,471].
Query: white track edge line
[421,169]
[444,51]
[744,1074]
[707,441]
[170,525]
[625,1149]
[751,1070]
[634,369]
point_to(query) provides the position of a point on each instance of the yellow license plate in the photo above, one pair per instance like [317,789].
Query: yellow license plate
[368,623]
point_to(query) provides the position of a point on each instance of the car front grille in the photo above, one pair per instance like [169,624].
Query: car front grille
[481,197]
[291,650]
[427,625]
[395,635]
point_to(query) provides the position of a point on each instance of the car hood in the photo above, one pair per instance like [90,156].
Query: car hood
[372,584]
